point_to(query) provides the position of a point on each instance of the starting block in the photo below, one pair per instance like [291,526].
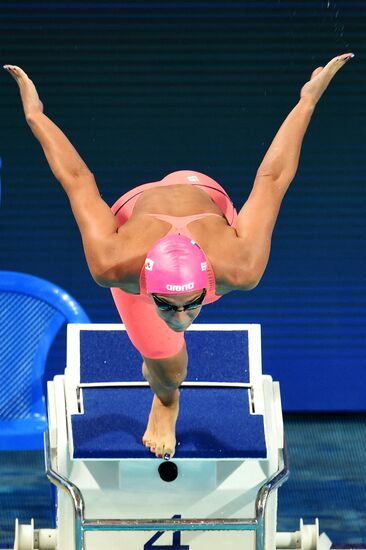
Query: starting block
[220,488]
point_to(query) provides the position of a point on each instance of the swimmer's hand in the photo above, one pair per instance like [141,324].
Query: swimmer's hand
[320,78]
[28,93]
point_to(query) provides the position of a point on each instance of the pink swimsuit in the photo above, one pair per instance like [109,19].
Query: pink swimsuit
[146,330]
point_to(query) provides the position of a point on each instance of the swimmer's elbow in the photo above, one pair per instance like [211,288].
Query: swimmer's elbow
[248,279]
[101,274]
[249,284]
[253,284]
[102,282]
[100,279]
[108,276]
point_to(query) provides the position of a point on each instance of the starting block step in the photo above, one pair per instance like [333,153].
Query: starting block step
[214,422]
[214,356]
[220,407]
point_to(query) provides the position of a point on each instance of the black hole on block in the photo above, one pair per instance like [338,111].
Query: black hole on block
[168,471]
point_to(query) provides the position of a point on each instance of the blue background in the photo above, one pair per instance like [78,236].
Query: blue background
[146,88]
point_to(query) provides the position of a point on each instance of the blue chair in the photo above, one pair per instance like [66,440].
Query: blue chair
[32,311]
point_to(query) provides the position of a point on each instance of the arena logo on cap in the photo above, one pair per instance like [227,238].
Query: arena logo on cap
[180,288]
[149,264]
[203,266]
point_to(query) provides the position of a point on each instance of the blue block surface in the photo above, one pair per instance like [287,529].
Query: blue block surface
[214,356]
[213,423]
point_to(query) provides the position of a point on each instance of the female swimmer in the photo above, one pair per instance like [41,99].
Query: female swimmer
[169,247]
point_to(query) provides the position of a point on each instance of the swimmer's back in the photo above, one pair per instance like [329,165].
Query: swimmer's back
[213,233]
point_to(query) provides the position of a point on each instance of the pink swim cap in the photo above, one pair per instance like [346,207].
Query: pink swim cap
[174,265]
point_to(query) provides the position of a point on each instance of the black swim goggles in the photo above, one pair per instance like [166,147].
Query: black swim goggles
[164,306]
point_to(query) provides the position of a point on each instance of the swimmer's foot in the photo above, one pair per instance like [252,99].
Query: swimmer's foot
[321,77]
[160,431]
[31,102]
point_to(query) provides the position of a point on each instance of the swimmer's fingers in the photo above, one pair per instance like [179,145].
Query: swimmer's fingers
[321,77]
[16,72]
[28,91]
[337,62]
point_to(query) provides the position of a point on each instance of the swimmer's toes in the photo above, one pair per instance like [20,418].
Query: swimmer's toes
[165,450]
[147,441]
[158,450]
[169,453]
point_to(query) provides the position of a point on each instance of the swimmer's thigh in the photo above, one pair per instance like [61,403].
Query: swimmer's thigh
[146,330]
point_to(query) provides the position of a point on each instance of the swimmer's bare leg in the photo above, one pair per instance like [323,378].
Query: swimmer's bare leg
[164,376]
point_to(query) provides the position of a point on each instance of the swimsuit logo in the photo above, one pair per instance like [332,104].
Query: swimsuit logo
[203,266]
[149,264]
[192,178]
[179,288]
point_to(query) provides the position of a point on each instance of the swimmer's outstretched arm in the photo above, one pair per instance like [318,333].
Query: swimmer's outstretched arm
[257,218]
[94,218]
